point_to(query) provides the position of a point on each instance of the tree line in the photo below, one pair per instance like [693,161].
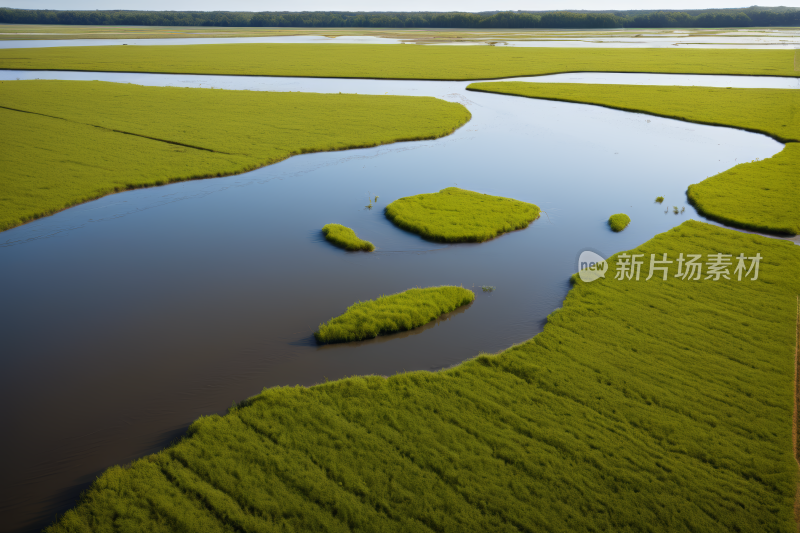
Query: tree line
[511,19]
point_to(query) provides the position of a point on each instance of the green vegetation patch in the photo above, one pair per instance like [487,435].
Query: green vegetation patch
[456,215]
[396,61]
[769,111]
[389,314]
[619,221]
[643,406]
[761,196]
[67,142]
[346,238]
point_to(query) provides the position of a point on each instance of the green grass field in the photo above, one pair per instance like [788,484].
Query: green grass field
[67,142]
[619,221]
[346,238]
[763,195]
[389,314]
[456,215]
[396,61]
[655,405]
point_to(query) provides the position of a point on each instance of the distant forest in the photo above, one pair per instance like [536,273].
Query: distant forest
[711,18]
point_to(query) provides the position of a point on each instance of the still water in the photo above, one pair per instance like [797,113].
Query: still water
[126,318]
[346,39]
[780,41]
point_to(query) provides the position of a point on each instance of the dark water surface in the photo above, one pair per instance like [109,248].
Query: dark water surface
[126,318]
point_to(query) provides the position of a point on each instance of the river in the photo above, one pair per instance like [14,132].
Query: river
[126,318]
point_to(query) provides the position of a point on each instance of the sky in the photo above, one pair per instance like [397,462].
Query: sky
[370,5]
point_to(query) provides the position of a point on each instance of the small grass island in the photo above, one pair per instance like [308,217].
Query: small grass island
[456,215]
[346,238]
[619,221]
[390,314]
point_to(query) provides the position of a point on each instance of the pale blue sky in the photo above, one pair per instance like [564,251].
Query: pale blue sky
[366,5]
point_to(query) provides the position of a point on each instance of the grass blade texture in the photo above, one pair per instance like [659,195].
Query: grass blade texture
[761,196]
[396,61]
[67,142]
[655,405]
[619,221]
[456,215]
[346,238]
[389,314]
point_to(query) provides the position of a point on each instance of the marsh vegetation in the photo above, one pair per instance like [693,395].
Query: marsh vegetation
[456,215]
[625,395]
[346,238]
[620,221]
[397,62]
[390,314]
[67,142]
[759,195]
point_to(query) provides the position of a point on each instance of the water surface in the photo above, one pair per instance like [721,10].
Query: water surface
[126,318]
[779,41]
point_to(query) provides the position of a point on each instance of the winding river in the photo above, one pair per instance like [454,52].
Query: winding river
[126,318]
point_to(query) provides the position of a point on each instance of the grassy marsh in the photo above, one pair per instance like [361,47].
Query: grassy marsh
[643,406]
[397,61]
[389,314]
[760,195]
[457,215]
[346,238]
[68,142]
[619,221]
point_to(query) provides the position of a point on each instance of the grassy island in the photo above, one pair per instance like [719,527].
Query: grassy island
[389,314]
[396,61]
[456,215]
[67,142]
[619,221]
[660,405]
[346,238]
[760,196]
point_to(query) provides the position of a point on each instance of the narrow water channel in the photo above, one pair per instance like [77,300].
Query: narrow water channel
[126,318]
[782,40]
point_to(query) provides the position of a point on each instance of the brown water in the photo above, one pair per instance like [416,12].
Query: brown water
[126,318]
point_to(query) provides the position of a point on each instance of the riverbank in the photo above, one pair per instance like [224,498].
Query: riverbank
[452,63]
[73,141]
[223,280]
[761,196]
[620,403]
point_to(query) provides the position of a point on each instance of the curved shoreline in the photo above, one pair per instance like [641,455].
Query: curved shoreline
[234,394]
[209,176]
[405,79]
[726,219]
[778,138]
[96,185]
